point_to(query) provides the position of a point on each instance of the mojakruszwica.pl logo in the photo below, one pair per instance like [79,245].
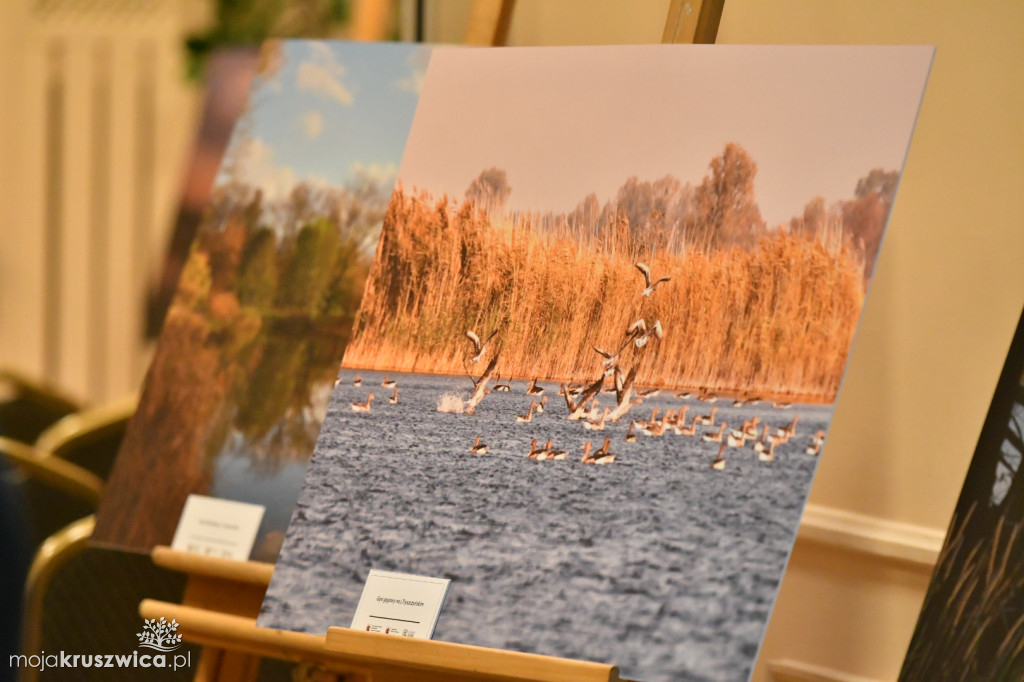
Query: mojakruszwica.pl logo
[159,635]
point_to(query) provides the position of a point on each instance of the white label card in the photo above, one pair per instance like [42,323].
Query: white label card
[220,528]
[400,604]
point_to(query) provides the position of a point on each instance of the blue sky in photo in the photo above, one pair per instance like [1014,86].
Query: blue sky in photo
[333,110]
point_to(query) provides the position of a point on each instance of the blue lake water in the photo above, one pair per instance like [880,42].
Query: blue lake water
[656,563]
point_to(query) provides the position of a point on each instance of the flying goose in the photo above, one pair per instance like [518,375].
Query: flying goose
[591,425]
[480,385]
[478,346]
[647,279]
[623,393]
[656,330]
[578,408]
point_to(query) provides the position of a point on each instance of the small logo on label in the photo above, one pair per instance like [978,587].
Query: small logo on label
[159,635]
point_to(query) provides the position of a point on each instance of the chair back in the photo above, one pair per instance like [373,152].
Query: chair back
[90,438]
[83,600]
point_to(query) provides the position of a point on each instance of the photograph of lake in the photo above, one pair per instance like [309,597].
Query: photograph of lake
[600,345]
[247,355]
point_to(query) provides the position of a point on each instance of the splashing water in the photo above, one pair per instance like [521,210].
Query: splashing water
[450,403]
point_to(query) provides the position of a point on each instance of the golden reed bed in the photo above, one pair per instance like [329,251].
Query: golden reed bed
[774,319]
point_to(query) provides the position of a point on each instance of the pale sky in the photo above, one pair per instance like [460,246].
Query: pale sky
[564,122]
[333,111]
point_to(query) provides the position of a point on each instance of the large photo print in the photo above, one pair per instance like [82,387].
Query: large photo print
[249,350]
[600,345]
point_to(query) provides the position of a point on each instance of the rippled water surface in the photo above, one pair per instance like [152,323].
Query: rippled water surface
[656,563]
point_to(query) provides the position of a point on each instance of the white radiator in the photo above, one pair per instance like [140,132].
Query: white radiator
[95,120]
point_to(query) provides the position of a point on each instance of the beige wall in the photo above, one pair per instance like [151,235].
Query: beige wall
[558,22]
[95,120]
[947,294]
[950,280]
[948,289]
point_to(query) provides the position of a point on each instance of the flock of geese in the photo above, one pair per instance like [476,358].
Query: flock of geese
[761,437]
[582,403]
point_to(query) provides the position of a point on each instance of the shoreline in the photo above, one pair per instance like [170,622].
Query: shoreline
[722,394]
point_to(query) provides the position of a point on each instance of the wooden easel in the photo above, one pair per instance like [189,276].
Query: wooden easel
[222,597]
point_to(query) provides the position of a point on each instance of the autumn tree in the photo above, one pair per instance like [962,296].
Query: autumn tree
[724,209]
[864,217]
[813,220]
[490,189]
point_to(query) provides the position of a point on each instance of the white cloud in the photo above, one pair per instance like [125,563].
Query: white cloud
[313,123]
[255,166]
[411,83]
[417,62]
[379,173]
[323,75]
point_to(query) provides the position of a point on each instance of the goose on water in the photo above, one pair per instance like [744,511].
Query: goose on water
[363,407]
[708,419]
[478,447]
[528,417]
[719,462]
[602,456]
[714,437]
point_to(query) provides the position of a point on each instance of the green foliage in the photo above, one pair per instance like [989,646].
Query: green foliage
[278,382]
[257,283]
[346,288]
[250,22]
[310,271]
